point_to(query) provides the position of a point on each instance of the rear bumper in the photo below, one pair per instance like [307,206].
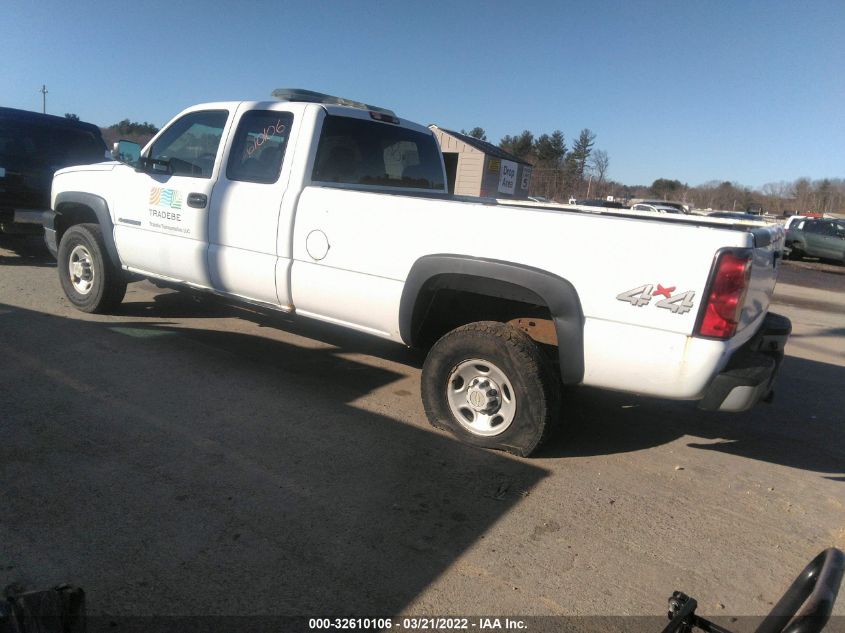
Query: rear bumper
[750,374]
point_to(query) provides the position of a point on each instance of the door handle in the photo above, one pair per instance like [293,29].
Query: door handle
[197,200]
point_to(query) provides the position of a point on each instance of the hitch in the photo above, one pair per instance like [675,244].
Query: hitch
[804,608]
[683,619]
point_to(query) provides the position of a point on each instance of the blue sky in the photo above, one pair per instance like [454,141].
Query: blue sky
[752,92]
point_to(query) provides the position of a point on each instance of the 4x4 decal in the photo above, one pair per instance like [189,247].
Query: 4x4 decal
[679,303]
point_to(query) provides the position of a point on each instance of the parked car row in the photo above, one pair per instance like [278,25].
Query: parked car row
[665,207]
[656,208]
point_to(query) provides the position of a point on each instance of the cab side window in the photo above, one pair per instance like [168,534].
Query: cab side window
[258,149]
[191,143]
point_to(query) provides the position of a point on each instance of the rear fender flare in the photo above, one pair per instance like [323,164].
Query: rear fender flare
[557,293]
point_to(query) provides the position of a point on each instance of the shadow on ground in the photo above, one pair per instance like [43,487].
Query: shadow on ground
[802,428]
[175,304]
[174,471]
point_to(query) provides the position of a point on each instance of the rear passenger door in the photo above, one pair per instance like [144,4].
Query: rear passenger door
[814,234]
[832,236]
[244,257]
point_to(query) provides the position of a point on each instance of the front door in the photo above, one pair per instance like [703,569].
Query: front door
[161,220]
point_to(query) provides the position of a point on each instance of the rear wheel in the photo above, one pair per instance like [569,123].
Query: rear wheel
[490,385]
[89,279]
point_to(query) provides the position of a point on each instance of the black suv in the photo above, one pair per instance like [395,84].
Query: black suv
[32,147]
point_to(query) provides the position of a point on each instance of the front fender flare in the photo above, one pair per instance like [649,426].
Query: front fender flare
[100,208]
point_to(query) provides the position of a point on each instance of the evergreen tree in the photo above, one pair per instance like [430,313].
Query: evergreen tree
[521,146]
[550,150]
[476,132]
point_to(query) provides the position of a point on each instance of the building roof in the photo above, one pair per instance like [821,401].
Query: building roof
[484,146]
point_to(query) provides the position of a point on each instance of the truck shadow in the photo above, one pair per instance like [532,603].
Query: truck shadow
[184,304]
[188,471]
[802,428]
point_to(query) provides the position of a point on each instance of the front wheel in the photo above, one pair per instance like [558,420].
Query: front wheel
[489,385]
[89,279]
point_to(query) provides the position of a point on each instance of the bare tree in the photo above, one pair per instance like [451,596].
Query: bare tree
[599,162]
[802,191]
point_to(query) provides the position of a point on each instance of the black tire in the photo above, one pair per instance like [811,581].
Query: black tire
[528,380]
[795,252]
[83,262]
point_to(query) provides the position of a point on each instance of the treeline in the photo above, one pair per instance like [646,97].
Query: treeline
[128,130]
[802,195]
[559,172]
[131,127]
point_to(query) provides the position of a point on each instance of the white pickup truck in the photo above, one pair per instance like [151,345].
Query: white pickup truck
[339,211]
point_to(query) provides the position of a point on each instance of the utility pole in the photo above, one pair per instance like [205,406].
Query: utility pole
[44,92]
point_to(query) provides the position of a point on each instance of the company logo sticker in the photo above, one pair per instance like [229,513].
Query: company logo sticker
[165,198]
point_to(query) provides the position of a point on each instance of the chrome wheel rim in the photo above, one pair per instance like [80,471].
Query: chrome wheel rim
[481,397]
[81,269]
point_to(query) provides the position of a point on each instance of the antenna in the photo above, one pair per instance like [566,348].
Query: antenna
[44,92]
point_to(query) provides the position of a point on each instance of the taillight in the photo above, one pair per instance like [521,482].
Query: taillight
[727,294]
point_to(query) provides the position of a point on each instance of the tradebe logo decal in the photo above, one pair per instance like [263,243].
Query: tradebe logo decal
[165,198]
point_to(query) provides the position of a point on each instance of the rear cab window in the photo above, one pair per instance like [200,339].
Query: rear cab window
[361,152]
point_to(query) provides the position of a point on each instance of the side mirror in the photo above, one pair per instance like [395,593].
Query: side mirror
[127,152]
